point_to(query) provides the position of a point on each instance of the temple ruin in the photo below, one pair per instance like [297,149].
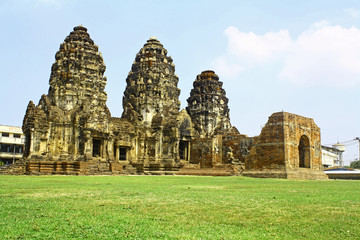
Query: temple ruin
[71,130]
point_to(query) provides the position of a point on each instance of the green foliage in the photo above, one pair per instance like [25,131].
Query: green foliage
[177,207]
[355,164]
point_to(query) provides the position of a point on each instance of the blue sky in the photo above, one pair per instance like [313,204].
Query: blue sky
[301,57]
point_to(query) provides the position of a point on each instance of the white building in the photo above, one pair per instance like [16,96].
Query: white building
[332,156]
[11,144]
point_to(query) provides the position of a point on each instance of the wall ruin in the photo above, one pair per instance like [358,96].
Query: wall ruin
[289,146]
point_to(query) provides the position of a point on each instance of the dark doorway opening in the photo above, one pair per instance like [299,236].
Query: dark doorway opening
[184,150]
[96,148]
[122,154]
[304,152]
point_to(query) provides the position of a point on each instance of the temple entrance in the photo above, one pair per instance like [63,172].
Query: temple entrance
[184,150]
[122,154]
[304,152]
[96,148]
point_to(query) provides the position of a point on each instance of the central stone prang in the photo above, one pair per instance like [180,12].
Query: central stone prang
[152,84]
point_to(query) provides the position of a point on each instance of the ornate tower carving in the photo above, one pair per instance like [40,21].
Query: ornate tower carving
[77,74]
[151,84]
[74,113]
[207,105]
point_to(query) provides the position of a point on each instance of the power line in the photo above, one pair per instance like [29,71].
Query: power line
[345,142]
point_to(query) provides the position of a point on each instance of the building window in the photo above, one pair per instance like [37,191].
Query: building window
[16,135]
[4,134]
[18,149]
[122,154]
[6,148]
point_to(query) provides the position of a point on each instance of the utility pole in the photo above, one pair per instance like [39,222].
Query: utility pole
[13,154]
[359,146]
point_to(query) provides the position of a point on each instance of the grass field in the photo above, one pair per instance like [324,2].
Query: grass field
[177,207]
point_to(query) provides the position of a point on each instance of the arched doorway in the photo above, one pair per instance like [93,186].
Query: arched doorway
[304,152]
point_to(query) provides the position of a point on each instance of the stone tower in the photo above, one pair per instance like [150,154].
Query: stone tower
[151,103]
[152,84]
[77,74]
[72,120]
[208,105]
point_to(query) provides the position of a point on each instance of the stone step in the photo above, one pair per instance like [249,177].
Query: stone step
[206,172]
[160,172]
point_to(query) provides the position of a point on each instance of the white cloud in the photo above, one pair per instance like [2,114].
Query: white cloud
[250,47]
[323,55]
[352,12]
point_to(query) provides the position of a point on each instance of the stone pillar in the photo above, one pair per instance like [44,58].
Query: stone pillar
[87,145]
[116,150]
[117,155]
[76,141]
[110,148]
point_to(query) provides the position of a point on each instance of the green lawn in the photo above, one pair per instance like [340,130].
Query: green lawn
[177,207]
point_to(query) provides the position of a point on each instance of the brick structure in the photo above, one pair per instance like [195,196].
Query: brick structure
[289,146]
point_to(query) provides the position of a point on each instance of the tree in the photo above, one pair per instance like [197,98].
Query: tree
[355,164]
